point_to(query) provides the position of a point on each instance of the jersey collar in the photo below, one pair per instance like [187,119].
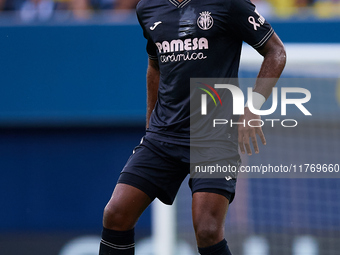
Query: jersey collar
[179,4]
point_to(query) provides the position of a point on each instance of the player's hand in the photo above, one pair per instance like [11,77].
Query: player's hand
[246,133]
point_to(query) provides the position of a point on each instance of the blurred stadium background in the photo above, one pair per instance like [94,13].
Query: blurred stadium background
[72,107]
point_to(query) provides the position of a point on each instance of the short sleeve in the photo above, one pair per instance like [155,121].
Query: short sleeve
[249,24]
[151,48]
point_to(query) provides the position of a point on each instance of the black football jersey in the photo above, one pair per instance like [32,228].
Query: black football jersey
[192,39]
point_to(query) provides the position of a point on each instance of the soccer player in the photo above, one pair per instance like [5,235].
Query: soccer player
[185,39]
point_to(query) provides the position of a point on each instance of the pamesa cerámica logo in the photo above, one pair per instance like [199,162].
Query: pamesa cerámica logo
[239,104]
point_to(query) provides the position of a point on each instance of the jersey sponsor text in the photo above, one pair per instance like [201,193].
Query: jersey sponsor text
[180,45]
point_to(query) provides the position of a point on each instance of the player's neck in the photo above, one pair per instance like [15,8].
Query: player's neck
[180,1]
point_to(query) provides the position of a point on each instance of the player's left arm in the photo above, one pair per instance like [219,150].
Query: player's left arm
[272,66]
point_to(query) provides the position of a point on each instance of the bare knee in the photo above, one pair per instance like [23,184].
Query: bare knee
[124,208]
[115,217]
[208,234]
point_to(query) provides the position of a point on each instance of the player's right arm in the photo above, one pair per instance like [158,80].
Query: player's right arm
[252,27]
[272,66]
[152,82]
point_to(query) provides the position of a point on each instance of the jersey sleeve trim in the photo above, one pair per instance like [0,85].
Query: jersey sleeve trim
[264,39]
[152,57]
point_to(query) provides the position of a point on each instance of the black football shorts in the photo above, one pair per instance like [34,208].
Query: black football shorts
[158,168]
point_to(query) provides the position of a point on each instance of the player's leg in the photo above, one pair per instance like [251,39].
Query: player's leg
[209,212]
[120,217]
[151,171]
[212,193]
[124,208]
